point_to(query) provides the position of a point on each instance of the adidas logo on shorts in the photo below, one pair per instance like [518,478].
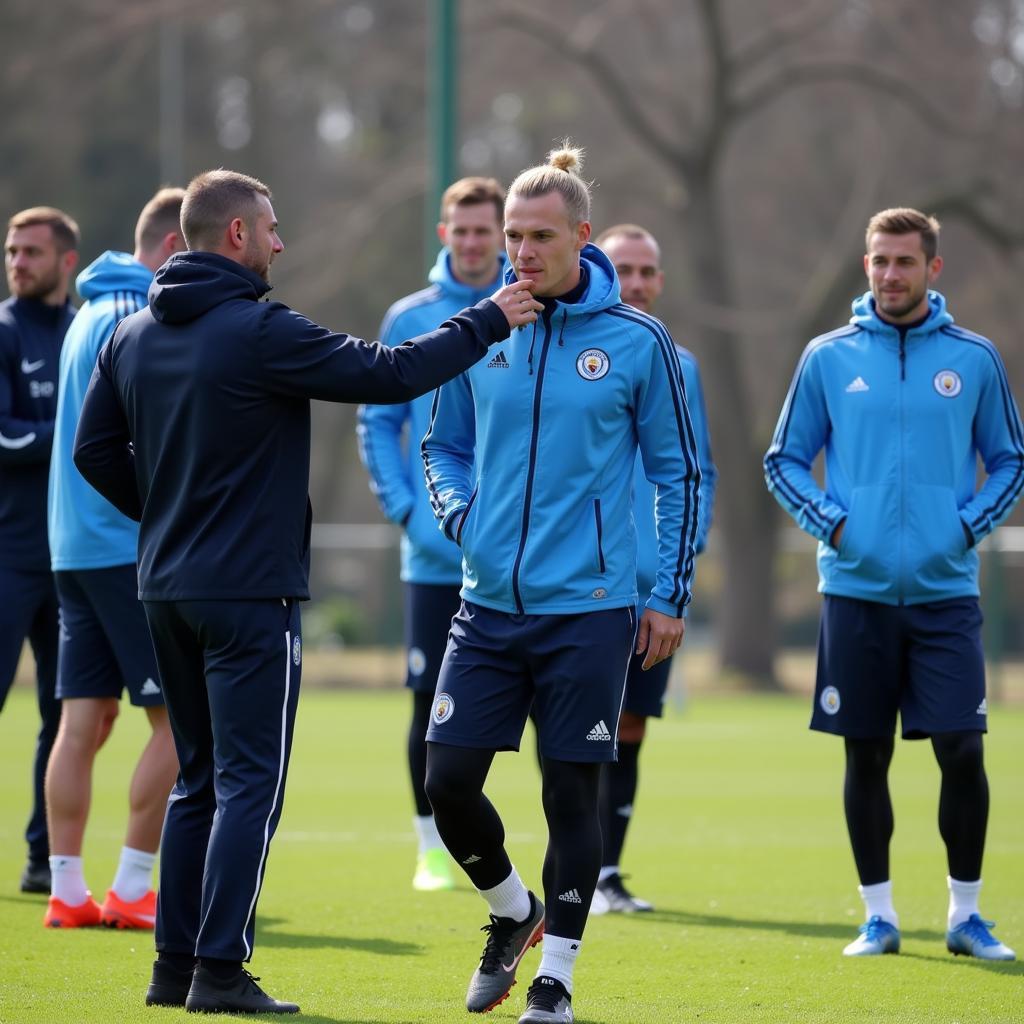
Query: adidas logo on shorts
[599,732]
[572,896]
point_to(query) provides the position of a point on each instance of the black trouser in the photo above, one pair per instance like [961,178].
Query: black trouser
[230,672]
[28,609]
[473,832]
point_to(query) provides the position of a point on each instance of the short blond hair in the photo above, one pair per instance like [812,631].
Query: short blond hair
[904,220]
[631,231]
[474,192]
[213,200]
[159,217]
[560,174]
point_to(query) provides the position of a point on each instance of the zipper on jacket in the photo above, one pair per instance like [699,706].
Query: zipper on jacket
[903,487]
[532,466]
[600,545]
[903,356]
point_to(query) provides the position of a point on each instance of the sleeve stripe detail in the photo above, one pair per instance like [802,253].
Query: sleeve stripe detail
[436,502]
[1005,499]
[688,532]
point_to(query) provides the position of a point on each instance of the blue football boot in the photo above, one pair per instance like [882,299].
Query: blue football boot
[877,936]
[973,938]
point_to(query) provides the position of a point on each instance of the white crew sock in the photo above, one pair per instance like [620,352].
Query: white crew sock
[878,902]
[508,898]
[607,872]
[134,876]
[963,900]
[67,881]
[426,833]
[558,958]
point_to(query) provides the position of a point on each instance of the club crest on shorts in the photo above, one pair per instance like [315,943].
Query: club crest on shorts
[444,708]
[593,364]
[829,700]
[297,650]
[417,661]
[948,383]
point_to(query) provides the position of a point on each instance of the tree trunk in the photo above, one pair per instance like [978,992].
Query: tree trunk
[744,511]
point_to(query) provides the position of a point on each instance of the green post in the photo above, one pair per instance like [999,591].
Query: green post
[443,105]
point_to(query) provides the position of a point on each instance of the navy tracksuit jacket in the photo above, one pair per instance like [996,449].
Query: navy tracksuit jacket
[196,423]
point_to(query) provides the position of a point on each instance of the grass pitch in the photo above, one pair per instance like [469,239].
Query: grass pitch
[738,839]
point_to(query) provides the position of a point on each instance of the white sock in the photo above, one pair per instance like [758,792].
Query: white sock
[508,898]
[607,872]
[878,902]
[963,900]
[67,881]
[426,833]
[134,876]
[558,958]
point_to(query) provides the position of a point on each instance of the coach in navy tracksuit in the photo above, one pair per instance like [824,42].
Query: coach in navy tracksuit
[196,423]
[40,254]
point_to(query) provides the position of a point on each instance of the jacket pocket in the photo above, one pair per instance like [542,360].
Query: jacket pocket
[600,536]
[935,540]
[460,530]
[868,546]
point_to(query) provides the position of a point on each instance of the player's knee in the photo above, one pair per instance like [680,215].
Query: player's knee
[570,791]
[445,786]
[869,759]
[961,753]
[632,728]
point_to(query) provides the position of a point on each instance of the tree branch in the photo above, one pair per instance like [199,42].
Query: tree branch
[890,85]
[580,47]
[782,34]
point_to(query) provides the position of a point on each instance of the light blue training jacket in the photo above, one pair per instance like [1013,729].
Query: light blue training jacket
[902,423]
[552,419]
[390,435]
[643,489]
[86,531]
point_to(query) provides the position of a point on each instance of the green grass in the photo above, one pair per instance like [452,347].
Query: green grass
[738,839]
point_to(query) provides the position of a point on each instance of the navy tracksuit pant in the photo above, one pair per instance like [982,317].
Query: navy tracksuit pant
[28,608]
[230,673]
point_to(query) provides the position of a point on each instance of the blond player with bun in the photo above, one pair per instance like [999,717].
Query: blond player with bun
[529,462]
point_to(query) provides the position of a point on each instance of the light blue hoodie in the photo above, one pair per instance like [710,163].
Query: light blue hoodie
[390,435]
[902,421]
[643,489]
[552,420]
[86,531]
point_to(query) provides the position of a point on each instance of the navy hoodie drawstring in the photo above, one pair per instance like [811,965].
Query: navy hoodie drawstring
[565,317]
[529,358]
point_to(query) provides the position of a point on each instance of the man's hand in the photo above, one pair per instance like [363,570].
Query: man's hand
[659,635]
[517,303]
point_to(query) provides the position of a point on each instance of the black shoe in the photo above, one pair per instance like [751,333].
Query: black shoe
[169,985]
[239,994]
[620,899]
[36,877]
[547,1002]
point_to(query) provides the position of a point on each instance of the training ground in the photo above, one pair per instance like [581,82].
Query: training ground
[738,839]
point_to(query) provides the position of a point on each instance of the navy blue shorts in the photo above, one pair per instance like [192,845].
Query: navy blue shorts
[570,668]
[429,609]
[924,661]
[105,646]
[645,691]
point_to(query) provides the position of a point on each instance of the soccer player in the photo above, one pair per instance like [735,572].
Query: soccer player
[636,256]
[529,461]
[40,255]
[196,423]
[104,640]
[903,401]
[468,269]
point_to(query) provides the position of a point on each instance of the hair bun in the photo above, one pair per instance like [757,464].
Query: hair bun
[569,158]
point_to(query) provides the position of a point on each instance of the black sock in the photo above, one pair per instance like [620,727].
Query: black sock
[618,791]
[963,802]
[417,750]
[179,961]
[573,857]
[222,970]
[869,817]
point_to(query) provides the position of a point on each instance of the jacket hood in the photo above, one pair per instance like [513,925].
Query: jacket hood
[190,284]
[113,272]
[602,283]
[441,275]
[867,319]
